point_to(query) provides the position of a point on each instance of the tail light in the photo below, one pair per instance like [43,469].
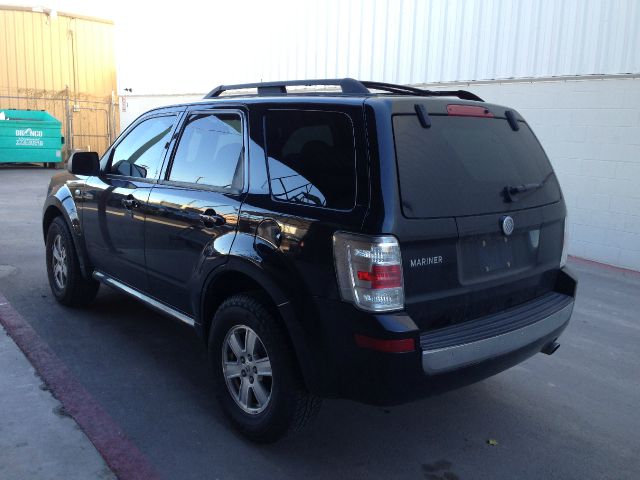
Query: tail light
[369,271]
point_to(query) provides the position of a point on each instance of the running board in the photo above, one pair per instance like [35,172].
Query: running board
[153,303]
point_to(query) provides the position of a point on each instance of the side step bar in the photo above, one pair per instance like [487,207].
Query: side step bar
[153,303]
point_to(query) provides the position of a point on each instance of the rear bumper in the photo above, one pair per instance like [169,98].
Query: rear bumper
[494,336]
[444,359]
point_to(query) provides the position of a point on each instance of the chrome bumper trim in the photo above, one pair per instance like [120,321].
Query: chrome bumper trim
[442,360]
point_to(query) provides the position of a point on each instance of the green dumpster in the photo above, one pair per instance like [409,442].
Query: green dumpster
[30,136]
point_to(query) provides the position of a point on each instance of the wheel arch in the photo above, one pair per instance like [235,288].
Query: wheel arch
[242,276]
[50,213]
[62,205]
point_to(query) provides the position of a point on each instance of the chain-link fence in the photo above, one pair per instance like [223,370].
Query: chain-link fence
[89,124]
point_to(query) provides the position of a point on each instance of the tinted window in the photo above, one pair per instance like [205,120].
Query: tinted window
[461,166]
[311,158]
[141,152]
[210,151]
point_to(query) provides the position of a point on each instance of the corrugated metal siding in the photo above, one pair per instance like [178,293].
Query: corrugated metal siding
[420,41]
[43,60]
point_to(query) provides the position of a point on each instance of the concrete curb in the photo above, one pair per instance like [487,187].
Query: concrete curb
[118,451]
[605,266]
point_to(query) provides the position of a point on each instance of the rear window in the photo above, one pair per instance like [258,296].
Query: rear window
[311,158]
[461,166]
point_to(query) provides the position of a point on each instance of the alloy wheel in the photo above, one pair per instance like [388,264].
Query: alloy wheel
[247,369]
[59,262]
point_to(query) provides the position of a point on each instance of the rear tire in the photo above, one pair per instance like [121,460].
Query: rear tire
[67,284]
[264,408]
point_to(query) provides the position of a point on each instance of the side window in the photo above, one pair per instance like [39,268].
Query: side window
[311,158]
[141,152]
[210,151]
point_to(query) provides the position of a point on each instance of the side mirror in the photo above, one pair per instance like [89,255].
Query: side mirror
[84,163]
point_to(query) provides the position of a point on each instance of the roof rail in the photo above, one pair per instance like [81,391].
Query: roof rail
[348,86]
[407,90]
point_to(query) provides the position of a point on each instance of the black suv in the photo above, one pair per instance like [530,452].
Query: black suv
[375,242]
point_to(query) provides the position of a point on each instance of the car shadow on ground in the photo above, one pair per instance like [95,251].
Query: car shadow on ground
[169,363]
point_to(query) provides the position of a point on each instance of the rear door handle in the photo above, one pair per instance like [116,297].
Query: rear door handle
[130,202]
[211,219]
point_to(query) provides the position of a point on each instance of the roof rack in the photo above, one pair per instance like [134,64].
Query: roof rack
[406,90]
[349,86]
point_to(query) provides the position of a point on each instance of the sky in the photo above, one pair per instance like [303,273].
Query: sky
[191,46]
[188,46]
[189,49]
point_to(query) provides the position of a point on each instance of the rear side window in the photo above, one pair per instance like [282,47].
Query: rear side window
[210,151]
[461,166]
[311,158]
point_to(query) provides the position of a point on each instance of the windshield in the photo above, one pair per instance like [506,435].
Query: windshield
[462,166]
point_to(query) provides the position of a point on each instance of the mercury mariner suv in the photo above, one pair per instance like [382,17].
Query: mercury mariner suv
[348,239]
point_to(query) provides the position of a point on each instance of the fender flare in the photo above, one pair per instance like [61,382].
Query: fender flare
[286,307]
[62,203]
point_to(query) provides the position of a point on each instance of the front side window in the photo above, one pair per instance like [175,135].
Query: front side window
[210,151]
[141,152]
[311,158]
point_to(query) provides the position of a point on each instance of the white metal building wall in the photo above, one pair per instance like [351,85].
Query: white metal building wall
[402,41]
[590,126]
[416,41]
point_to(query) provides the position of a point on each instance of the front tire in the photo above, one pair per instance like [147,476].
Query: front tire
[67,284]
[257,380]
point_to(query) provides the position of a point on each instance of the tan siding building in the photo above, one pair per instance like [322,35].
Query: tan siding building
[64,64]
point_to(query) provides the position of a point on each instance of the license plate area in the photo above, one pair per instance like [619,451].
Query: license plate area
[495,254]
[482,256]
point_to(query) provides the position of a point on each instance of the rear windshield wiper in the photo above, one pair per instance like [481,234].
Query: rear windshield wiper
[510,191]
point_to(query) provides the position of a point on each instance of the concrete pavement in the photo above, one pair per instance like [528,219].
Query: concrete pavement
[38,439]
